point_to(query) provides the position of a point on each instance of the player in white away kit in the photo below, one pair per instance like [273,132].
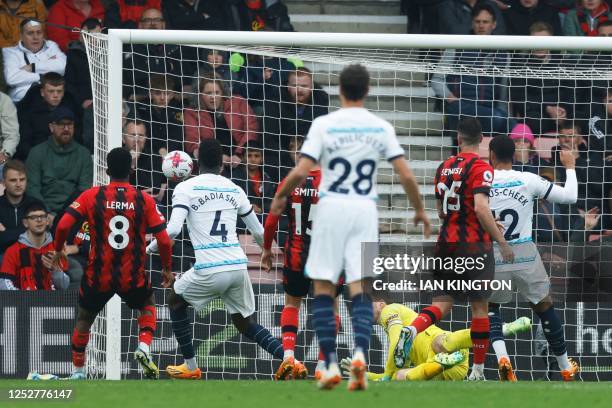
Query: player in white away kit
[512,197]
[347,144]
[211,204]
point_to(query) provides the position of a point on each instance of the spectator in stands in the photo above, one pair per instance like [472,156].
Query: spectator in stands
[195,15]
[544,103]
[600,128]
[12,12]
[28,60]
[255,182]
[13,203]
[71,13]
[257,15]
[78,80]
[483,97]
[422,16]
[146,165]
[586,18]
[36,108]
[229,119]
[9,130]
[127,13]
[525,156]
[166,115]
[262,80]
[289,157]
[27,264]
[524,13]
[593,91]
[456,16]
[142,60]
[216,66]
[60,166]
[301,102]
[551,221]
[593,178]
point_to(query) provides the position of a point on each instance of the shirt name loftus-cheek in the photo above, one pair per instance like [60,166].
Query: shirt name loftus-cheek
[119,205]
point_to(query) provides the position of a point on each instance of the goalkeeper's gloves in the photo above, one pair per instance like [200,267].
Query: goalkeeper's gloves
[345,366]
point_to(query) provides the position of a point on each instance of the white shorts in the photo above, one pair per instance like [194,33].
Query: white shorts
[339,228]
[233,287]
[530,280]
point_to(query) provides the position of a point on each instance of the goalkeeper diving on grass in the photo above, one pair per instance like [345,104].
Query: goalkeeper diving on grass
[436,354]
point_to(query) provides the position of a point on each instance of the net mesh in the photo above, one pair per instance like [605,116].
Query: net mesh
[412,89]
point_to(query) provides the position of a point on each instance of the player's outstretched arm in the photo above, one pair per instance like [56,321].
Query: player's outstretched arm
[408,181]
[270,227]
[254,226]
[61,234]
[568,194]
[485,217]
[293,179]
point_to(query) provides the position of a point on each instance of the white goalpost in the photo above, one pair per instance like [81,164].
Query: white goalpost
[408,73]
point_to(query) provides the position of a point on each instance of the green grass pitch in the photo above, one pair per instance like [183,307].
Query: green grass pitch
[269,394]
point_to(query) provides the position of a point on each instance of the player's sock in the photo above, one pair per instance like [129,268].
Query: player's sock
[496,333]
[79,344]
[289,328]
[321,355]
[325,326]
[147,323]
[428,316]
[457,340]
[264,338]
[553,330]
[424,372]
[361,317]
[181,326]
[479,332]
[192,364]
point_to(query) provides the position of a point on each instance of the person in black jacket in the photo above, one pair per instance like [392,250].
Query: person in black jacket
[34,112]
[13,203]
[524,13]
[78,79]
[594,179]
[301,102]
[146,165]
[255,182]
[545,103]
[166,115]
[195,15]
[142,60]
[600,128]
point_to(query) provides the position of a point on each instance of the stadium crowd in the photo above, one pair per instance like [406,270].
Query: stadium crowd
[260,109]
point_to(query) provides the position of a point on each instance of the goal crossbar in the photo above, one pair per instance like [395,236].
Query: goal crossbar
[387,41]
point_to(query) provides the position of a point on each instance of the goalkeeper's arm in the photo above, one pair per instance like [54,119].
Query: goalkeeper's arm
[393,331]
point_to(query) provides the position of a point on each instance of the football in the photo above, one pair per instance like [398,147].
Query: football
[177,165]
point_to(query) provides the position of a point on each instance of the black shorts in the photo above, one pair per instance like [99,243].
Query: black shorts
[93,300]
[462,283]
[296,284]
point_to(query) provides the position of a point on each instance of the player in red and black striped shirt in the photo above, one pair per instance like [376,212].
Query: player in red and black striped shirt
[119,217]
[462,185]
[300,213]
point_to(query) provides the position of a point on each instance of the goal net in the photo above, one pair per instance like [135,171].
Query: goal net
[258,93]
